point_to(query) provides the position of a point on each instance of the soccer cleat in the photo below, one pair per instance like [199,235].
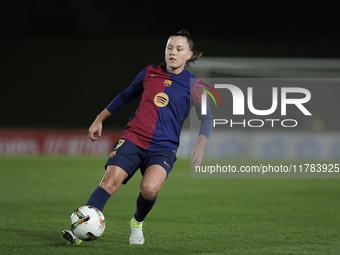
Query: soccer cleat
[136,236]
[70,237]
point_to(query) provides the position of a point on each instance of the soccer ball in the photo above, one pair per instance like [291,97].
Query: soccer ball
[87,223]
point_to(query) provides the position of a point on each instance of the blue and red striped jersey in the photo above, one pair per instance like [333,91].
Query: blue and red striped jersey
[165,104]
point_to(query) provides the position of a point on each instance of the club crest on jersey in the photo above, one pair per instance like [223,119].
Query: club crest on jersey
[167,83]
[161,99]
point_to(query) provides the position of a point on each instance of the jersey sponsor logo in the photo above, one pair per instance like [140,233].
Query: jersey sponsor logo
[161,99]
[167,83]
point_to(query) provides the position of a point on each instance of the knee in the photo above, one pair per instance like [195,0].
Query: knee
[149,191]
[111,186]
[113,178]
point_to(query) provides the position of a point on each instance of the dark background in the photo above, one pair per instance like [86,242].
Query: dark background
[62,62]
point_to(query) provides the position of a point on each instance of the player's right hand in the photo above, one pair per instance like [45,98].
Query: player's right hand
[95,131]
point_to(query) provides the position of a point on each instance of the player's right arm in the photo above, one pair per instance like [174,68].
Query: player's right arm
[123,98]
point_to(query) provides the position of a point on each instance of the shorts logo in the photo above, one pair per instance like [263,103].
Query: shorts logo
[166,163]
[161,99]
[167,83]
[120,143]
[113,154]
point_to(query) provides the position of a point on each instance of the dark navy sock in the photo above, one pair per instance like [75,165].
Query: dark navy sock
[143,207]
[99,198]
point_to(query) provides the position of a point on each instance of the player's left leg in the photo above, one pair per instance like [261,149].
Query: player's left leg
[150,185]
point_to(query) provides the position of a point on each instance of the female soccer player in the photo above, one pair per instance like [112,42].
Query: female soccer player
[151,138]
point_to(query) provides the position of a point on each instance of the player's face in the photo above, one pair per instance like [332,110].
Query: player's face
[177,52]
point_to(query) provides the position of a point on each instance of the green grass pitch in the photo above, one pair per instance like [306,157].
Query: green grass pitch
[191,216]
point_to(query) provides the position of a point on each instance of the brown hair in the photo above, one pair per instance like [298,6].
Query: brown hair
[196,54]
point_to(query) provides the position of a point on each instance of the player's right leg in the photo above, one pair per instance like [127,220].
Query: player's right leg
[123,162]
[110,183]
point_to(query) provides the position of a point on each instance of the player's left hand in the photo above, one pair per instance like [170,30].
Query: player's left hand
[196,155]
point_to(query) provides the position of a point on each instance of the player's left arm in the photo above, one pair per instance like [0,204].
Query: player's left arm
[197,151]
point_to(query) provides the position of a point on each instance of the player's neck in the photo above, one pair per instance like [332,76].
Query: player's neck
[177,70]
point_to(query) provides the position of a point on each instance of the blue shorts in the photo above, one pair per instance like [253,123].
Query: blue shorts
[131,157]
